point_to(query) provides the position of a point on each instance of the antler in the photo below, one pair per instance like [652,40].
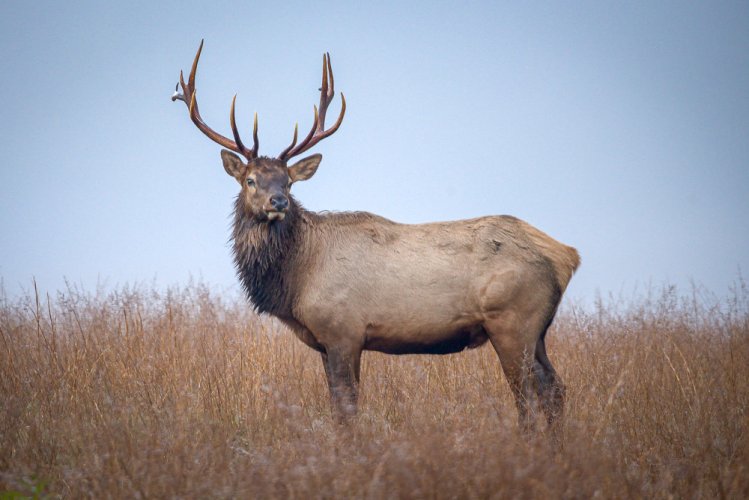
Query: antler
[188,97]
[318,132]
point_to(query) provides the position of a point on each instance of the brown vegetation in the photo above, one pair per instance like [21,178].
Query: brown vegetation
[185,393]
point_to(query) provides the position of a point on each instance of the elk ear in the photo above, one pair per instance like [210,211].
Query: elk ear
[233,165]
[304,168]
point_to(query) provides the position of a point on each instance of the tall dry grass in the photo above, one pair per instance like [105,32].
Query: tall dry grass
[138,393]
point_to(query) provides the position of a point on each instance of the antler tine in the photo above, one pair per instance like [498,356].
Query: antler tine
[330,75]
[234,125]
[194,69]
[285,154]
[326,93]
[256,143]
[315,123]
[188,97]
[318,132]
[293,142]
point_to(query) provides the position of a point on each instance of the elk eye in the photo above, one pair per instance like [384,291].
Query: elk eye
[251,182]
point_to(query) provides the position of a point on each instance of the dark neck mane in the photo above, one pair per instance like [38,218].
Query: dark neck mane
[263,254]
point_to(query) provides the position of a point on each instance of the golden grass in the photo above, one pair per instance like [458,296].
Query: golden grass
[185,393]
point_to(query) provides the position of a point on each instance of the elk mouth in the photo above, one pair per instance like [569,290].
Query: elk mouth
[275,215]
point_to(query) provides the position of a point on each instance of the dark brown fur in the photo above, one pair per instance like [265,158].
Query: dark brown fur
[262,253]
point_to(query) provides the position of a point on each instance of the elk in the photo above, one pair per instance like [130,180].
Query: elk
[349,282]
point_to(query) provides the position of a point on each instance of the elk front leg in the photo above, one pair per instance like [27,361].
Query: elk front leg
[342,371]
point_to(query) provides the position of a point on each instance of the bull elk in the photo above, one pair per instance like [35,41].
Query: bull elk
[348,282]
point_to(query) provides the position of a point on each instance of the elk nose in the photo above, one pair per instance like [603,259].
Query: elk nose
[279,202]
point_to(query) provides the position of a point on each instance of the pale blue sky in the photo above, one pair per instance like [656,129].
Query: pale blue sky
[621,128]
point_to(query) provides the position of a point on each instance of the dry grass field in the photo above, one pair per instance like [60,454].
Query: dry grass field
[137,393]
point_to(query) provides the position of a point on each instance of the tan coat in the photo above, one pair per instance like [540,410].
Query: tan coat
[408,288]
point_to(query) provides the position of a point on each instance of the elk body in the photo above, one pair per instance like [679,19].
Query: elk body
[348,282]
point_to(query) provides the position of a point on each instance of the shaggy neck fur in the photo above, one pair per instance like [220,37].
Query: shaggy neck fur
[263,256]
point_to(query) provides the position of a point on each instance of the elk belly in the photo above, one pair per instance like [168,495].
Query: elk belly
[435,342]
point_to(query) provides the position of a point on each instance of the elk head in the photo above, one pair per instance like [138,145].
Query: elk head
[265,181]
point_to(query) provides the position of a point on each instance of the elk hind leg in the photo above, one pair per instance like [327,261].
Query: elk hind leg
[549,386]
[515,350]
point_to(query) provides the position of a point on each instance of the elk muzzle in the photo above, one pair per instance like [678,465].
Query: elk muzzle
[279,205]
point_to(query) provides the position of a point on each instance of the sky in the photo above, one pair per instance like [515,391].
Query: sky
[620,128]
